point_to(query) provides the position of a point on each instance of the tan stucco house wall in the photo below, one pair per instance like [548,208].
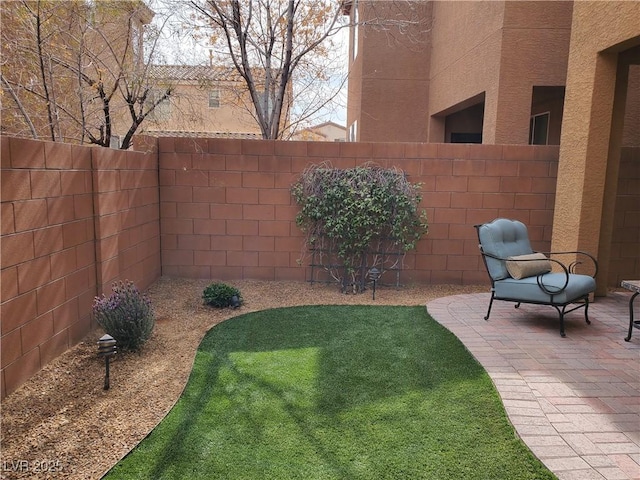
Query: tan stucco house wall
[207,100]
[605,40]
[388,88]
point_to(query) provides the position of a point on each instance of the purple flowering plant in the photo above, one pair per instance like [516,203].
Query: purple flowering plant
[126,315]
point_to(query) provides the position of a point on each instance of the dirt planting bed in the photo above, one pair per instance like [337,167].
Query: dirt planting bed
[62,424]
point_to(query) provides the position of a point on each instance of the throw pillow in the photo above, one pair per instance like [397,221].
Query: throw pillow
[532,264]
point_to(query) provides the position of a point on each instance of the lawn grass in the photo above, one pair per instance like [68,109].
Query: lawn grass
[334,392]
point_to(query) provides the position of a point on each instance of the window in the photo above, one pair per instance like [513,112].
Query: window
[114,142]
[136,41]
[539,129]
[266,100]
[214,98]
[356,21]
[466,137]
[353,132]
[91,7]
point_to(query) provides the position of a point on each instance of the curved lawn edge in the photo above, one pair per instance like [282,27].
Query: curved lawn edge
[332,395]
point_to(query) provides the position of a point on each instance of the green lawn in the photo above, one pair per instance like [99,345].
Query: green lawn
[334,392]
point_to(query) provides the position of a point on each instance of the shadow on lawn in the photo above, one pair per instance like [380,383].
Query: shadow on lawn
[353,362]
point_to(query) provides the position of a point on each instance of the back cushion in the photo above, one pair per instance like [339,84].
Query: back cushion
[503,238]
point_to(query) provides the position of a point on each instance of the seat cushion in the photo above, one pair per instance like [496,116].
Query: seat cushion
[527,289]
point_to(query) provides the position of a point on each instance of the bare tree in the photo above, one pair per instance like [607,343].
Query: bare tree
[268,41]
[78,70]
[287,53]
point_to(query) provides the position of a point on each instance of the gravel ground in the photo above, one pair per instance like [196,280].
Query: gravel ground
[62,424]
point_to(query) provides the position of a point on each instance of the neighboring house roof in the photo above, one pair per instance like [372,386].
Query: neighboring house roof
[192,73]
[183,133]
[197,120]
[327,124]
[323,131]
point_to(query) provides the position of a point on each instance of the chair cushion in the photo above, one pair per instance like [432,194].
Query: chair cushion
[522,266]
[503,238]
[527,289]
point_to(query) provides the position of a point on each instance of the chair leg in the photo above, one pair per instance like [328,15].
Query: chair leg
[561,315]
[586,310]
[564,310]
[490,303]
[632,322]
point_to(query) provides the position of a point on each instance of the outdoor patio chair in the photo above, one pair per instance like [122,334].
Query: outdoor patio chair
[520,275]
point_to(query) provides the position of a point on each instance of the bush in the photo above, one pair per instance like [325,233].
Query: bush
[366,216]
[126,315]
[220,294]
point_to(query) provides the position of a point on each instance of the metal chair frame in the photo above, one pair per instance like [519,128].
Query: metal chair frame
[562,308]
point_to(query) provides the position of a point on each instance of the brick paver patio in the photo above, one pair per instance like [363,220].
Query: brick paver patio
[575,401]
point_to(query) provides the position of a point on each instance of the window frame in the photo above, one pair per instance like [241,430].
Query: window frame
[353,131]
[356,33]
[533,124]
[215,96]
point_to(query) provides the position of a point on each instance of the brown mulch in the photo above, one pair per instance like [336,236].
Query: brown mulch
[62,424]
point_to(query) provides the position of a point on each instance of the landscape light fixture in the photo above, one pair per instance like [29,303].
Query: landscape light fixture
[374,275]
[106,349]
[235,301]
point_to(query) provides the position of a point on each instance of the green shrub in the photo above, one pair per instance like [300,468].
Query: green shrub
[126,315]
[220,295]
[358,218]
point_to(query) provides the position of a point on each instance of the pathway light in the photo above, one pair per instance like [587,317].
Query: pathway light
[107,349]
[374,275]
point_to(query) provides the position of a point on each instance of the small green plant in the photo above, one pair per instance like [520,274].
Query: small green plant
[126,315]
[220,295]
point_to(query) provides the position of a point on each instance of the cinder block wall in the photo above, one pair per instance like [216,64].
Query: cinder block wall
[127,217]
[227,212]
[74,219]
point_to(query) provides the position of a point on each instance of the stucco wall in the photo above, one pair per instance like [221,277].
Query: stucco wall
[631,132]
[490,52]
[535,48]
[465,60]
[625,241]
[390,77]
[502,49]
[190,112]
[592,130]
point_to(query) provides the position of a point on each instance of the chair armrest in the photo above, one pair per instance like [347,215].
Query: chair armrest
[567,270]
[583,258]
